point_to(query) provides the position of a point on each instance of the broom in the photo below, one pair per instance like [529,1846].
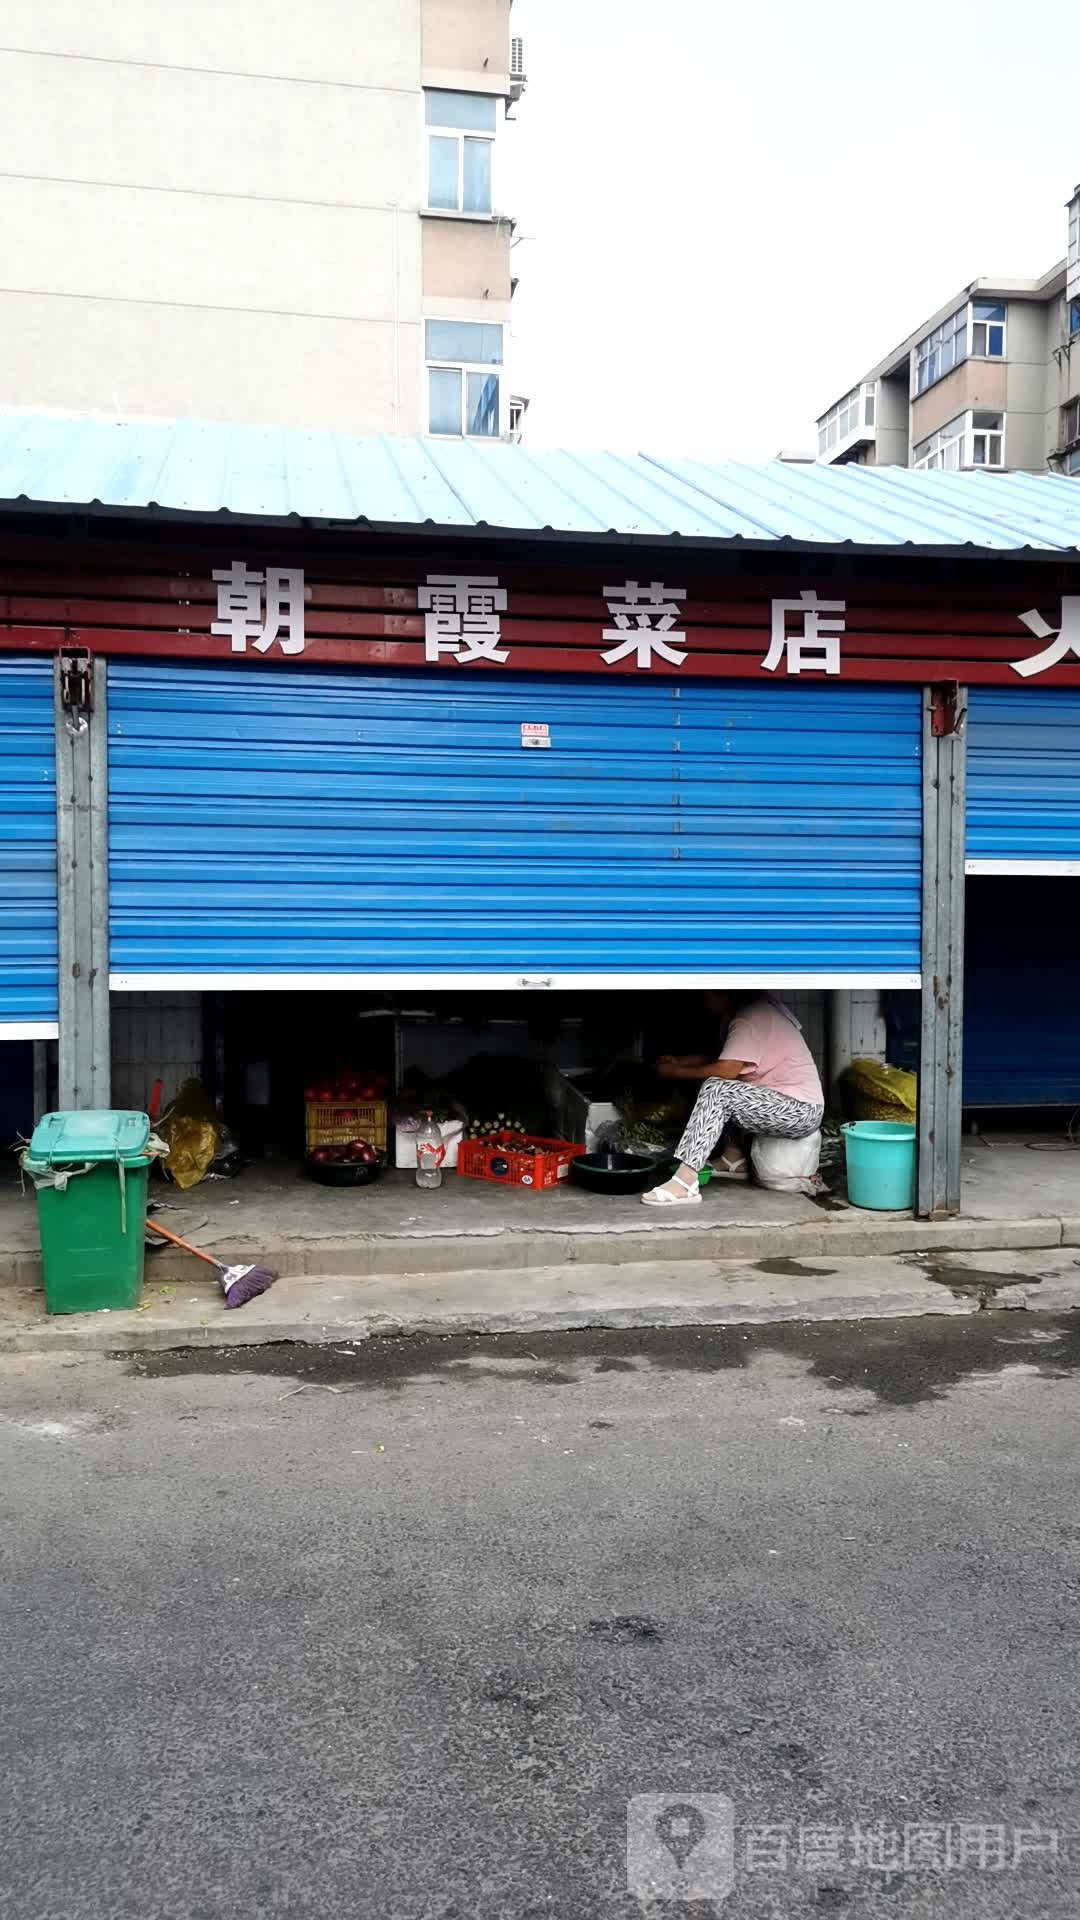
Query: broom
[238,1284]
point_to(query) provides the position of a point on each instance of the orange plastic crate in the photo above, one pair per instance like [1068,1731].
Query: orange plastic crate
[517,1160]
[333,1123]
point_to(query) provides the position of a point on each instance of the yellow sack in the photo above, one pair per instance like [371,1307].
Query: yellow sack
[873,1091]
[192,1132]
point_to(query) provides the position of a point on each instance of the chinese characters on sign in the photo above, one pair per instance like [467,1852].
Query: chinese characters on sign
[1066,638]
[262,606]
[815,646]
[642,617]
[462,617]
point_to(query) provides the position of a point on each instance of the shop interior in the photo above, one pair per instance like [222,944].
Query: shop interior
[297,1083]
[282,1097]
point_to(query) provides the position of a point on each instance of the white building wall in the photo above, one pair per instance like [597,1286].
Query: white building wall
[212,210]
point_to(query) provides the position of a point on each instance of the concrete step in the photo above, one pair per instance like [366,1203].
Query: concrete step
[847,1235]
[344,1308]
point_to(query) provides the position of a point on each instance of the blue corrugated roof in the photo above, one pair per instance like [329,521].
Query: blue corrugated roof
[203,467]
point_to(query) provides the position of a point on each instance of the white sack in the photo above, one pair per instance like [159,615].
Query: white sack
[787,1166]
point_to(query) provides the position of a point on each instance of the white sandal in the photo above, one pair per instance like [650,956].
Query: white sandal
[730,1167]
[663,1197]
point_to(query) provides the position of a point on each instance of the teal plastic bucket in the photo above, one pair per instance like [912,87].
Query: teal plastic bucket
[880,1164]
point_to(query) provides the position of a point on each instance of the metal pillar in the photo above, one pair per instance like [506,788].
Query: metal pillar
[944,776]
[82,881]
[41,1078]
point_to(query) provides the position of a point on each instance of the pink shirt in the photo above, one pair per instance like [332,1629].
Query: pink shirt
[776,1055]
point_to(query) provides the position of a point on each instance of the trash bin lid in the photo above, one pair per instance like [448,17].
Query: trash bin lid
[69,1139]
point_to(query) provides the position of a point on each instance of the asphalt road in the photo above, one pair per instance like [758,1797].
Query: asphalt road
[406,1641]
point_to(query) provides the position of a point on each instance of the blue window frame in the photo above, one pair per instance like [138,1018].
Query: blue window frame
[463,392]
[444,160]
[482,404]
[988,330]
[1074,318]
[459,152]
[468,112]
[445,400]
[464,340]
[941,350]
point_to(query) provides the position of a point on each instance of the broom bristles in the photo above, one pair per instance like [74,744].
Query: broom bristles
[242,1284]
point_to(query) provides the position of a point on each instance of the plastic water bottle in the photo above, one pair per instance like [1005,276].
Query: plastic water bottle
[430,1152]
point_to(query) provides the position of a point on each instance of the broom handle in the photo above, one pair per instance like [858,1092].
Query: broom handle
[154,1226]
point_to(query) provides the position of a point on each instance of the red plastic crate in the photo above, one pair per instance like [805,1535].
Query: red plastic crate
[517,1160]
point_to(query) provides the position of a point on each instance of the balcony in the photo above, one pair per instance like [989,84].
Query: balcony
[849,426]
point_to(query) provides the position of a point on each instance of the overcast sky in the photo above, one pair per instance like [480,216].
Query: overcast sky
[727,212]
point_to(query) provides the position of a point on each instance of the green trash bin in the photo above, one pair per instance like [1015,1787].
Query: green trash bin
[90,1172]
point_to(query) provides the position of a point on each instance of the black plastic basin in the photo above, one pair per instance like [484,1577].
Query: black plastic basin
[611,1172]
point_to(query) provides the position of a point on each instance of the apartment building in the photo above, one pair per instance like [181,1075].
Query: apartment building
[259,211]
[992,379]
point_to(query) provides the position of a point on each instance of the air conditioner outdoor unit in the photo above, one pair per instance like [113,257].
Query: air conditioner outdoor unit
[517,68]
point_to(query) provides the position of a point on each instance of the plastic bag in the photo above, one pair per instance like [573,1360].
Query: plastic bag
[873,1091]
[192,1132]
[787,1166]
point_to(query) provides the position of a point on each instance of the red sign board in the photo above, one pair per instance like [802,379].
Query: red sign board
[815,622]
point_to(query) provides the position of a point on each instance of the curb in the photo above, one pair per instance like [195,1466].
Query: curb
[339,1309]
[526,1248]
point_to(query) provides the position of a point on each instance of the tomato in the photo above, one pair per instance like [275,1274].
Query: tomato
[367,1092]
[321,1154]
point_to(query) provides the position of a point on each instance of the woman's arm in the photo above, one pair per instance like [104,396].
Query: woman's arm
[706,1070]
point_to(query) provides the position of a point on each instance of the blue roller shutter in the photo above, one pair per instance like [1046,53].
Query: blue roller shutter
[1023,779]
[1023,819]
[28,989]
[386,827]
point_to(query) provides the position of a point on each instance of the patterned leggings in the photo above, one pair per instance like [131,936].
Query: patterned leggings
[754,1108]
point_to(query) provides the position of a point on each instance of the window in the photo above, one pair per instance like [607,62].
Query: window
[855,410]
[1074,318]
[987,440]
[459,152]
[1070,423]
[941,350]
[944,449]
[971,440]
[463,392]
[987,330]
[1074,231]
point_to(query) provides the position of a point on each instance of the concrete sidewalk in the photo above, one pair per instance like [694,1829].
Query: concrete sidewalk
[272,1215]
[342,1309]
[472,1257]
